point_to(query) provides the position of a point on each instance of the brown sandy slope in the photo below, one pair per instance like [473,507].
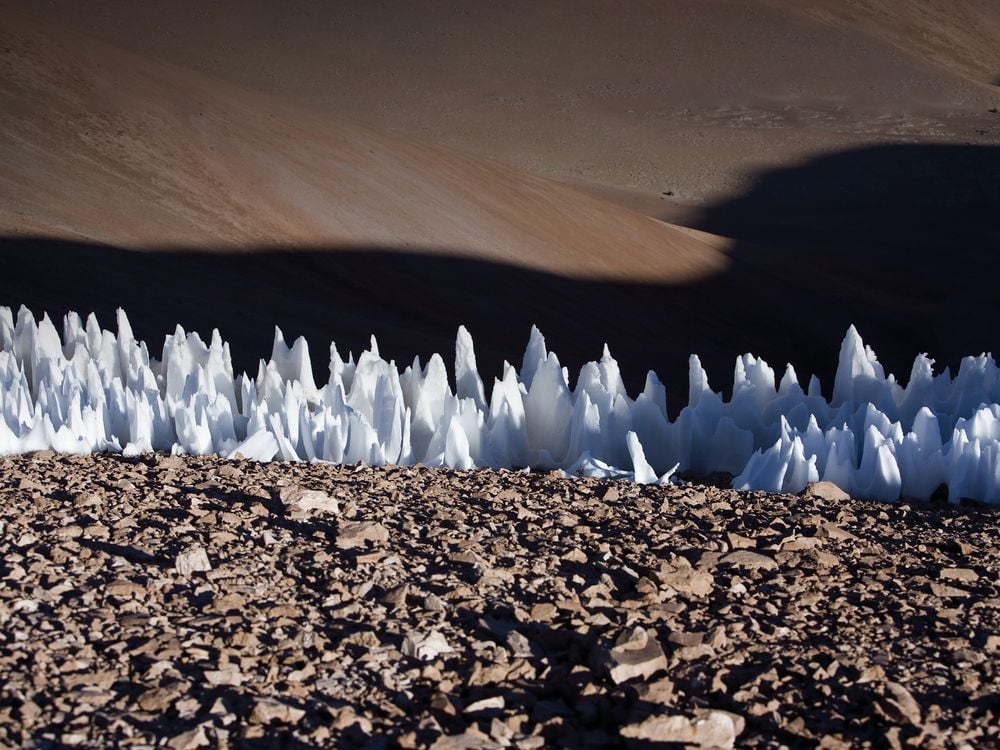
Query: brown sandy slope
[957,36]
[102,144]
[197,602]
[637,98]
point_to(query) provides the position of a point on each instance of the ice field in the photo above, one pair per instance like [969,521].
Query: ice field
[91,390]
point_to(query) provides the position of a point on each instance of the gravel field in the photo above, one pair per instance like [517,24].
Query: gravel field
[196,602]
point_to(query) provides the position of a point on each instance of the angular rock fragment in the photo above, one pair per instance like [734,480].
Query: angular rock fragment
[302,503]
[899,704]
[635,654]
[715,729]
[425,647]
[826,491]
[159,699]
[685,580]
[227,675]
[268,711]
[357,533]
[750,560]
[192,560]
[492,704]
[959,574]
[189,740]
[945,591]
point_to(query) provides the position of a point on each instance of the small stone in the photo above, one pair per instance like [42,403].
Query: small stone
[959,574]
[712,729]
[494,703]
[301,503]
[635,654]
[268,711]
[395,598]
[357,533]
[227,675]
[947,592]
[192,560]
[159,699]
[189,740]
[826,491]
[425,647]
[738,541]
[750,560]
[543,612]
[900,704]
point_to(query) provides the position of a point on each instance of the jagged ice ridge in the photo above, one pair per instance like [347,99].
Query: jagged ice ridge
[91,390]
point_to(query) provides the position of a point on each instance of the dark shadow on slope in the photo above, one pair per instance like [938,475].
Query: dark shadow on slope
[904,240]
[413,302]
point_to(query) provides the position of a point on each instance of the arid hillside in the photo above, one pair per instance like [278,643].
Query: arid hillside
[105,145]
[391,168]
[666,105]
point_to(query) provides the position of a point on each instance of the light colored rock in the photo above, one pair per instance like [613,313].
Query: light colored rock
[301,503]
[493,703]
[635,654]
[159,699]
[227,675]
[743,558]
[425,647]
[715,729]
[192,560]
[268,711]
[959,574]
[468,740]
[685,580]
[357,533]
[190,740]
[947,592]
[826,491]
[900,704]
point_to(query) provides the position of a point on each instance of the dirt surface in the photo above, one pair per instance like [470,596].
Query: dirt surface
[673,102]
[843,169]
[202,603]
[101,143]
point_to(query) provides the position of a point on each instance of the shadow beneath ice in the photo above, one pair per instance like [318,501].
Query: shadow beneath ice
[900,240]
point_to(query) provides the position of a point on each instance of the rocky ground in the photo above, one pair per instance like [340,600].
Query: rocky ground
[195,602]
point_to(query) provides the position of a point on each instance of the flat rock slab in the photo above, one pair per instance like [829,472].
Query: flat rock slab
[192,560]
[360,533]
[188,602]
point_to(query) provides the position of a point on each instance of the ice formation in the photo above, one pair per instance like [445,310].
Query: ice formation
[91,390]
